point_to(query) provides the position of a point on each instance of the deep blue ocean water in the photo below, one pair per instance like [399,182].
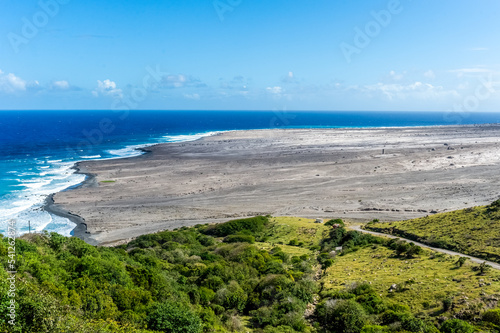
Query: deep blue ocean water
[38,148]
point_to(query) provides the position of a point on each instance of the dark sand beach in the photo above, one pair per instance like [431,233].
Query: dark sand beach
[359,174]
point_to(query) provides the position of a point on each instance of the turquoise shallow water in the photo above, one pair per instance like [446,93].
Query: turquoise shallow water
[39,148]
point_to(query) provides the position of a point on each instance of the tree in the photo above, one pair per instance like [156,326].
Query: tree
[413,250]
[232,296]
[461,261]
[492,316]
[173,318]
[335,221]
[343,316]
[483,268]
[456,326]
[56,241]
[374,329]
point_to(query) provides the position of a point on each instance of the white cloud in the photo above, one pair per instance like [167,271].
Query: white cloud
[60,85]
[470,71]
[395,76]
[107,88]
[239,83]
[176,81]
[430,74]
[180,81]
[275,90]
[289,78]
[192,96]
[414,90]
[9,83]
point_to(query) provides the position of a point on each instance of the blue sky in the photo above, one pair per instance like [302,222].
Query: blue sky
[250,55]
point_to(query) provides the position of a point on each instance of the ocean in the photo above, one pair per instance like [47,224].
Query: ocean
[39,148]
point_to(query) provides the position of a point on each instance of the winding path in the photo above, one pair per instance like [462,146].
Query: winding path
[473,259]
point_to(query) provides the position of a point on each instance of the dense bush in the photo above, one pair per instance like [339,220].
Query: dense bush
[239,238]
[190,281]
[335,221]
[343,316]
[456,326]
[252,225]
[403,248]
[492,316]
[173,318]
[375,329]
[172,281]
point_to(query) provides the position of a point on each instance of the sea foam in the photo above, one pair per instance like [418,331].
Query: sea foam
[54,174]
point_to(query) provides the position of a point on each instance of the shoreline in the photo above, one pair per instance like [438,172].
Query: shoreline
[51,207]
[80,230]
[222,138]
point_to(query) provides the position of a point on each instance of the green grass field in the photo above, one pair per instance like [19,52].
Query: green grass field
[474,231]
[427,280]
[424,284]
[284,229]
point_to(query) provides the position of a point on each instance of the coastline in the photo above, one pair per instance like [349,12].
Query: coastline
[140,214]
[80,230]
[49,206]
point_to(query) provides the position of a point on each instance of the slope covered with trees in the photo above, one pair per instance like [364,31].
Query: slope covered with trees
[261,274]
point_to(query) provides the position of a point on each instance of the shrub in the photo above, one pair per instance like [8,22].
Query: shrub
[374,329]
[456,326]
[23,246]
[279,329]
[413,250]
[79,248]
[336,236]
[304,290]
[482,269]
[391,316]
[253,225]
[239,239]
[173,318]
[327,263]
[461,261]
[206,295]
[343,316]
[56,241]
[417,325]
[232,296]
[362,289]
[447,303]
[371,302]
[492,316]
[335,221]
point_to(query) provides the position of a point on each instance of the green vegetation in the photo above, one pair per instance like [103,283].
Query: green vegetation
[244,226]
[262,274]
[401,287]
[107,181]
[334,222]
[474,231]
[282,230]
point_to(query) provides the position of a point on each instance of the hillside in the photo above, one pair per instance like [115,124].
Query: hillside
[474,231]
[263,274]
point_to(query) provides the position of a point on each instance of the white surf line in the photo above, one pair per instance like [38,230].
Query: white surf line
[473,259]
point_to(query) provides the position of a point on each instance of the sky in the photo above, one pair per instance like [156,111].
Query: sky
[414,55]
